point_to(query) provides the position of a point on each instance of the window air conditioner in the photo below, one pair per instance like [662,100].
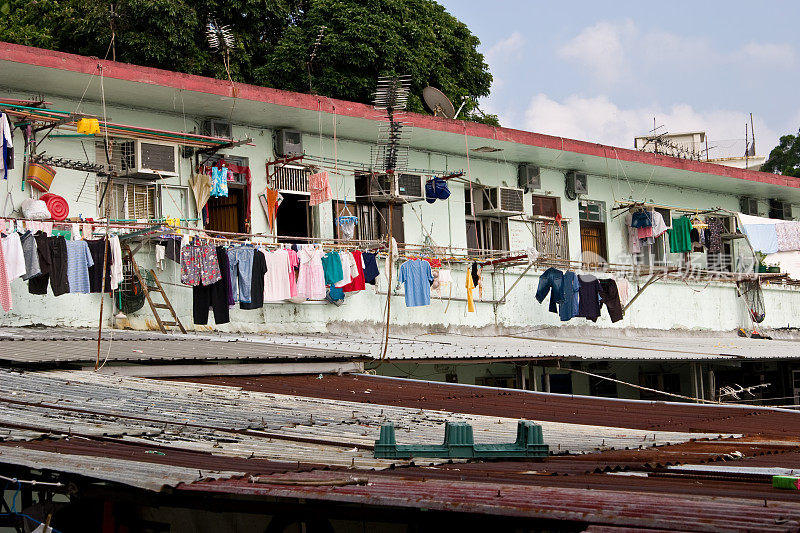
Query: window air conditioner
[501,202]
[577,182]
[529,177]
[140,159]
[288,143]
[378,187]
[217,128]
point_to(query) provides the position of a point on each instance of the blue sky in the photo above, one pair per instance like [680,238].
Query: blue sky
[601,71]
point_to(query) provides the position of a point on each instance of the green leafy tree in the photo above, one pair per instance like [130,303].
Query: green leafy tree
[274,40]
[785,158]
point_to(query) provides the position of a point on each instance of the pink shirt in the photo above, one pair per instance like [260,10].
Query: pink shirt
[5,285]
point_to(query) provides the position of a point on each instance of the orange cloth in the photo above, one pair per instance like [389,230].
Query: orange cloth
[272,207]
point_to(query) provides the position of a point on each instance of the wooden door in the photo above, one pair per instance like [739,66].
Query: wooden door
[593,239]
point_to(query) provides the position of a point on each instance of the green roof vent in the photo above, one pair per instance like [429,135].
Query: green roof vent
[460,444]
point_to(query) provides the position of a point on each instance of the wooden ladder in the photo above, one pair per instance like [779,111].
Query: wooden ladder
[154,307]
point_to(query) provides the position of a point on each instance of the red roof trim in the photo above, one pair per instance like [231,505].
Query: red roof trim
[189,82]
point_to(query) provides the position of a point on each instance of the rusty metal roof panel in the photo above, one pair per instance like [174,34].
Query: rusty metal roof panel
[513,403]
[627,508]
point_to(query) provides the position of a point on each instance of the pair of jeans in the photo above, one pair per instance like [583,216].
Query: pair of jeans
[241,269]
[551,281]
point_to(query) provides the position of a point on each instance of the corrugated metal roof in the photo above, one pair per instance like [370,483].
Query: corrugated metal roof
[629,508]
[586,344]
[455,397]
[236,422]
[17,351]
[134,473]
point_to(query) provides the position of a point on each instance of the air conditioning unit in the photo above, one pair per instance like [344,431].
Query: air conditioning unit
[140,159]
[529,177]
[378,187]
[217,128]
[501,202]
[288,143]
[577,182]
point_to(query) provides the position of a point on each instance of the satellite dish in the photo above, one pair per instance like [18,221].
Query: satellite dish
[438,102]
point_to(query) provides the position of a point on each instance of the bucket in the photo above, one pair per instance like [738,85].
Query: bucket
[40,176]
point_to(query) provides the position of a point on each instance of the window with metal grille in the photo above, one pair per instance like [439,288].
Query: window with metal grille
[122,154]
[551,239]
[128,200]
[291,178]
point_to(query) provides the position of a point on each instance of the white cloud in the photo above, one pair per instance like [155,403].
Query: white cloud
[769,53]
[600,120]
[615,52]
[601,48]
[505,49]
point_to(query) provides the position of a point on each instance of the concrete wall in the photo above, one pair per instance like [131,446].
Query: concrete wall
[712,306]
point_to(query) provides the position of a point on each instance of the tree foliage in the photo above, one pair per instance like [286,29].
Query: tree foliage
[274,40]
[785,158]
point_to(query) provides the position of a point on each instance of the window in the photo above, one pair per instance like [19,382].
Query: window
[780,209]
[128,200]
[662,381]
[545,206]
[173,201]
[373,220]
[603,387]
[592,211]
[484,233]
[748,206]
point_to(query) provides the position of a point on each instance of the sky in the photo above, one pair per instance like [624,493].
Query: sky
[602,71]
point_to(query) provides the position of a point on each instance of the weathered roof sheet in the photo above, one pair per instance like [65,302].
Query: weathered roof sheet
[134,473]
[37,351]
[455,397]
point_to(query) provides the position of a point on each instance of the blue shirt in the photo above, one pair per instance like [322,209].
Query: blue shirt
[78,262]
[417,276]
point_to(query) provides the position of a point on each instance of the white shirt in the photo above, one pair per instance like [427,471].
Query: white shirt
[15,258]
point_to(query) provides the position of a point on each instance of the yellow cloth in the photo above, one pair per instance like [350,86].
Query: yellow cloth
[174,222]
[89,126]
[470,287]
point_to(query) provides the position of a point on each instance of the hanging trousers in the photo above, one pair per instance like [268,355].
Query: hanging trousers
[214,296]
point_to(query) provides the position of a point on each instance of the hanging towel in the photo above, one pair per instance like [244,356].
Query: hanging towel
[680,240]
[116,261]
[270,201]
[7,155]
[763,237]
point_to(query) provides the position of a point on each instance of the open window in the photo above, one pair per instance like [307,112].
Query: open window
[295,219]
[656,254]
[484,233]
[373,220]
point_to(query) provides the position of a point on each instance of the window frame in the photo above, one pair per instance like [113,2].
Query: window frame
[482,227]
[123,211]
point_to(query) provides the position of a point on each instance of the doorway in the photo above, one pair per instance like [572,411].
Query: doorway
[593,242]
[294,218]
[227,213]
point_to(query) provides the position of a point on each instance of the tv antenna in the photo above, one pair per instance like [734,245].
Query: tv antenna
[438,103]
[391,97]
[219,37]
